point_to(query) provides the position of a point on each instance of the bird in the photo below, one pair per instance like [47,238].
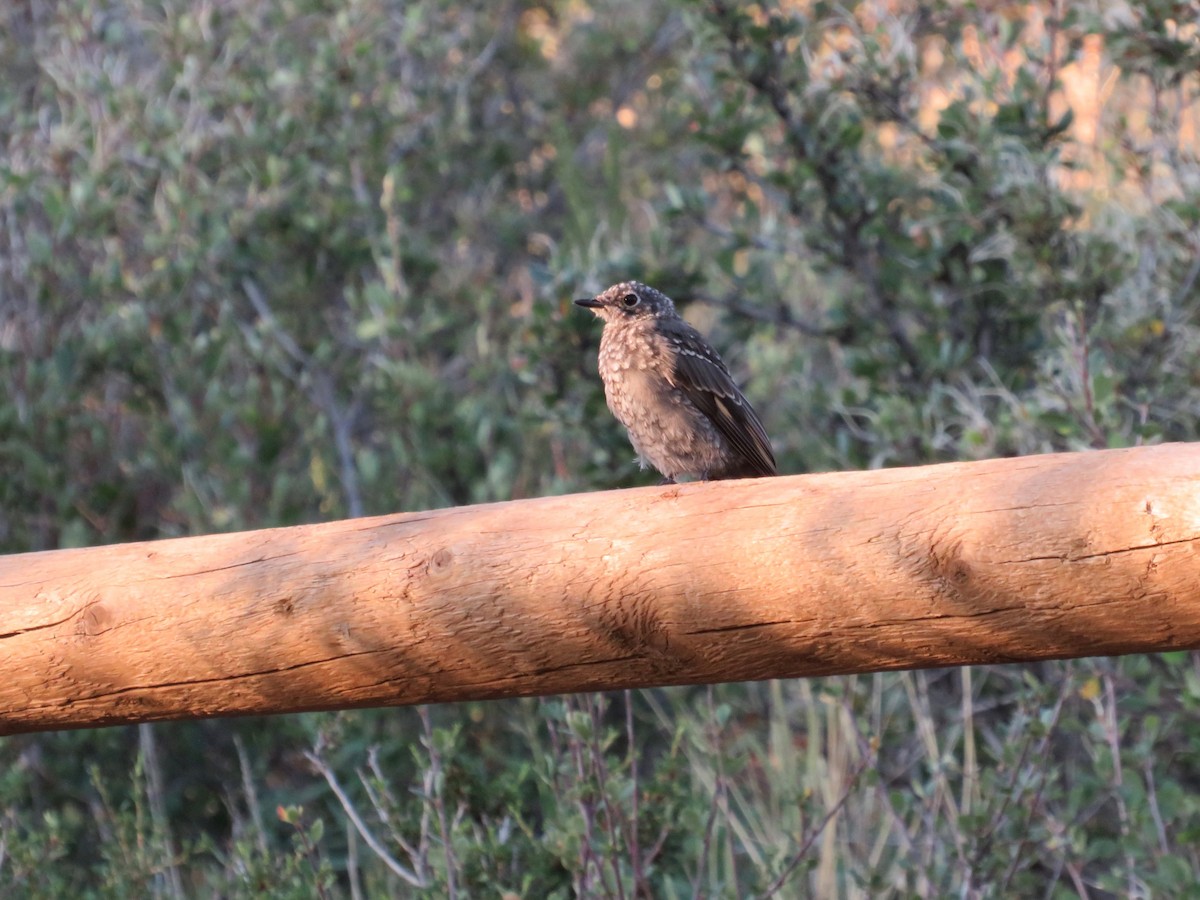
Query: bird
[672,391]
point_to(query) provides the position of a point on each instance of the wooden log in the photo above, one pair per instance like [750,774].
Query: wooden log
[1077,554]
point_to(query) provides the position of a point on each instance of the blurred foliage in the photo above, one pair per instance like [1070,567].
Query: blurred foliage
[264,263]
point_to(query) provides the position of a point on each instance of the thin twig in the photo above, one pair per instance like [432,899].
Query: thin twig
[310,855]
[1160,827]
[320,389]
[383,806]
[1114,743]
[635,847]
[1066,689]
[778,315]
[435,782]
[798,857]
[353,875]
[1053,26]
[1189,281]
[158,806]
[718,798]
[586,860]
[398,868]
[251,793]
[1077,880]
[1099,439]
[598,765]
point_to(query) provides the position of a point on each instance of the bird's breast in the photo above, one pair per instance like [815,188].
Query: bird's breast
[623,350]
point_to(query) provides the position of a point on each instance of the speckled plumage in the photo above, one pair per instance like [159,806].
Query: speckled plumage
[672,392]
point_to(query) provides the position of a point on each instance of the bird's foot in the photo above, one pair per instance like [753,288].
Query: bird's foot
[667,479]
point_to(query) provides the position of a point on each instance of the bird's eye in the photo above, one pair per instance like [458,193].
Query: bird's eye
[629,301]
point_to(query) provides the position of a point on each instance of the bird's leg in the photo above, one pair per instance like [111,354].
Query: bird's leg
[667,479]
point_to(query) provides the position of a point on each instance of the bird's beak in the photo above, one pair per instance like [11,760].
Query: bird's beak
[589,303]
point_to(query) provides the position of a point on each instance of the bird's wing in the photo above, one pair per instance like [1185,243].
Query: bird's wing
[703,377]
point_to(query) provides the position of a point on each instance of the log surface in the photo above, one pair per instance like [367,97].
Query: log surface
[1065,555]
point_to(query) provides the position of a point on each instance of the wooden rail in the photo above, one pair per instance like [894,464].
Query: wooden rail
[1077,554]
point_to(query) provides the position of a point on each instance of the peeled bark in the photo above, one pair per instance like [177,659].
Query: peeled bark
[1067,555]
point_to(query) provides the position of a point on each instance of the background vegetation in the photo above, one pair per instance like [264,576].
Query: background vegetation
[265,262]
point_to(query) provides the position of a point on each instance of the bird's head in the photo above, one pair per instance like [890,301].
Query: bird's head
[627,301]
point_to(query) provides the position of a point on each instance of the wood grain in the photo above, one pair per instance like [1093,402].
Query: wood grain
[1065,555]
